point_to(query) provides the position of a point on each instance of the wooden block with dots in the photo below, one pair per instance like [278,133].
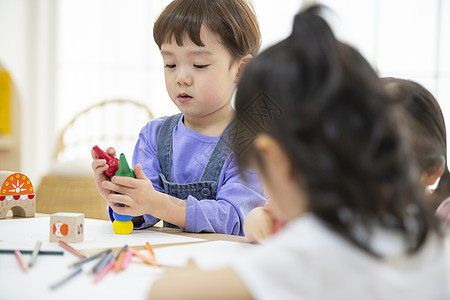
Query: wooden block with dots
[67,227]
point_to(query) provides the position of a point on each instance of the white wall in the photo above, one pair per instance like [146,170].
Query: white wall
[28,41]
[15,56]
[25,50]
[14,39]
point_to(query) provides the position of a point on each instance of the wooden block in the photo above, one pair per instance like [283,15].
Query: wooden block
[67,227]
[16,194]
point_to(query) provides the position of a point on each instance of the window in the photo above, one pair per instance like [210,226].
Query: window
[105,48]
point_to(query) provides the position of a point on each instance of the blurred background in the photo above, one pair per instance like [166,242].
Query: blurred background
[63,56]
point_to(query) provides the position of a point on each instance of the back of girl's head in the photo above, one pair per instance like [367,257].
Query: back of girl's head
[326,107]
[427,121]
[233,21]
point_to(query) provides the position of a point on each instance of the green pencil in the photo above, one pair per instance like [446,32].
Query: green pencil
[34,254]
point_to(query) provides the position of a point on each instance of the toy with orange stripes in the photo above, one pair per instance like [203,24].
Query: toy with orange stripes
[16,194]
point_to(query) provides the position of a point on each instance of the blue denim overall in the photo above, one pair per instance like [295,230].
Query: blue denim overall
[206,188]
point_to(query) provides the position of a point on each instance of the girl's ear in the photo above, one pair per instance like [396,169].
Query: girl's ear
[432,175]
[281,182]
[274,158]
[242,63]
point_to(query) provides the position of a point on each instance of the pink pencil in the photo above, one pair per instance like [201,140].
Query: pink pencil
[105,270]
[19,257]
[71,249]
[126,260]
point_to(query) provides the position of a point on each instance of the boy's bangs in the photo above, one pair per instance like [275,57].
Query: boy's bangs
[178,25]
[233,22]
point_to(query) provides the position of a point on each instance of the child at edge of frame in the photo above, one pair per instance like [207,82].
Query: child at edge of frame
[340,176]
[186,173]
[429,141]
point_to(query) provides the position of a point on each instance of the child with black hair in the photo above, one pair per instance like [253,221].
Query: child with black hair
[429,139]
[338,174]
[186,173]
[429,144]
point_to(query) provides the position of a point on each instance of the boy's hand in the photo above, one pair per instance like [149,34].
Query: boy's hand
[99,166]
[258,224]
[138,194]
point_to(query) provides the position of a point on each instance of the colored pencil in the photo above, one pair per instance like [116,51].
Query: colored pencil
[20,260]
[150,249]
[66,279]
[8,251]
[119,261]
[124,248]
[34,254]
[101,264]
[89,258]
[71,249]
[144,258]
[126,259]
[104,271]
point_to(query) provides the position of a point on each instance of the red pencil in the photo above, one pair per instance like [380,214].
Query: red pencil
[19,257]
[70,249]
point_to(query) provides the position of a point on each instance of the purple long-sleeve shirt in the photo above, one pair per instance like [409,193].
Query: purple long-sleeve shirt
[191,151]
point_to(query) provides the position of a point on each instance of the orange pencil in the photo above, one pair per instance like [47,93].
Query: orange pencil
[144,258]
[119,261]
[19,257]
[150,249]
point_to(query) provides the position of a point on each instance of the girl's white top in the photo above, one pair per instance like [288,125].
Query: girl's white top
[307,260]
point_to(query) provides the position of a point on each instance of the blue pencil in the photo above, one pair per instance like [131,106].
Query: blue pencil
[66,279]
[92,257]
[101,264]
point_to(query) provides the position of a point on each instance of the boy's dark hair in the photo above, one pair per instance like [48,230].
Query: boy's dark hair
[326,107]
[427,122]
[233,21]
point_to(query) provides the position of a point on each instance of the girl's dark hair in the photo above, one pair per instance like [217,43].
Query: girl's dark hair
[327,108]
[430,136]
[233,21]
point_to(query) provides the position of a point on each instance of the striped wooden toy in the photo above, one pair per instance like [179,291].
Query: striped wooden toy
[16,194]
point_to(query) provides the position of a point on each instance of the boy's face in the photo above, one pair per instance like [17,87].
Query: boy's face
[200,80]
